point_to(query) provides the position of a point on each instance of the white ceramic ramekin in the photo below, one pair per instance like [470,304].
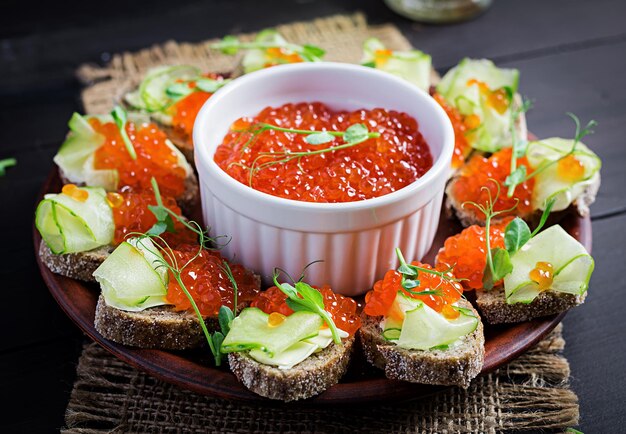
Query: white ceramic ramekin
[355,240]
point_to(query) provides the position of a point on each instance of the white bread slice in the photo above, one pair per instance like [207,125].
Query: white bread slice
[308,378]
[455,366]
[495,310]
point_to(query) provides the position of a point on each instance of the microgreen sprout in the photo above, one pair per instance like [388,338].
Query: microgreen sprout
[516,234]
[180,90]
[410,276]
[120,118]
[353,135]
[520,144]
[303,297]
[519,175]
[167,259]
[4,164]
[165,222]
[232,45]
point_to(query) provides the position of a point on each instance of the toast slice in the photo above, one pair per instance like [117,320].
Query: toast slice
[455,366]
[159,327]
[495,310]
[308,378]
[75,265]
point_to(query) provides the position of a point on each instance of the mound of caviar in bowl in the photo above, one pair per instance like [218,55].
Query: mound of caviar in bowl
[373,168]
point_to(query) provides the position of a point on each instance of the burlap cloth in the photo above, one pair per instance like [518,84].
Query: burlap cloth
[529,393]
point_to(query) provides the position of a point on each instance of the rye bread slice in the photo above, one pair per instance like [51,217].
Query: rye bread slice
[159,327]
[75,265]
[455,366]
[495,310]
[308,378]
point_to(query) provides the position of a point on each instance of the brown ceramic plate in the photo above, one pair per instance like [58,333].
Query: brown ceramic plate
[194,370]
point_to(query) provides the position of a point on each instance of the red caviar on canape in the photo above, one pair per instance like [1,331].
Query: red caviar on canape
[442,290]
[466,252]
[155,159]
[475,183]
[341,309]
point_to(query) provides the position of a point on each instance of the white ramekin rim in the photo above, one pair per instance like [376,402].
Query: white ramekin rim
[207,166]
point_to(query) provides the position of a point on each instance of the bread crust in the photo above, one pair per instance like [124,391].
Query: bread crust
[79,265]
[495,310]
[159,327]
[456,366]
[308,378]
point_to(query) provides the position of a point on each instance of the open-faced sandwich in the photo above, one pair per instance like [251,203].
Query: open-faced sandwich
[113,152]
[154,295]
[172,96]
[417,327]
[532,174]
[269,48]
[480,99]
[80,226]
[518,275]
[294,341]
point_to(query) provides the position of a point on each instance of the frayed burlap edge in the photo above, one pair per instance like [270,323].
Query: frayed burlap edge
[529,393]
[341,36]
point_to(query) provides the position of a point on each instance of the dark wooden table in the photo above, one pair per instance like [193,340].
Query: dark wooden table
[572,57]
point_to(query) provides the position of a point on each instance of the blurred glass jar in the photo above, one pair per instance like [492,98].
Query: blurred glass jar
[438,11]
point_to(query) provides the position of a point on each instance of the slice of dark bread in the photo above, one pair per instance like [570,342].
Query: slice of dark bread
[75,265]
[179,139]
[159,327]
[455,366]
[495,310]
[308,378]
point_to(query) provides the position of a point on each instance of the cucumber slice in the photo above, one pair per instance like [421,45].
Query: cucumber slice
[494,131]
[130,277]
[572,264]
[425,328]
[250,330]
[293,355]
[79,145]
[298,352]
[256,58]
[548,183]
[105,178]
[454,83]
[70,226]
[181,160]
[152,88]
[414,66]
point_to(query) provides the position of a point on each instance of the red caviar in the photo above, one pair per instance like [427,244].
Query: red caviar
[154,157]
[370,169]
[78,194]
[184,112]
[462,147]
[570,169]
[479,171]
[379,301]
[207,282]
[131,214]
[542,275]
[497,99]
[278,56]
[467,252]
[341,309]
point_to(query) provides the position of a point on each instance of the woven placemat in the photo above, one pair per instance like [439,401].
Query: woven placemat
[341,36]
[529,393]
